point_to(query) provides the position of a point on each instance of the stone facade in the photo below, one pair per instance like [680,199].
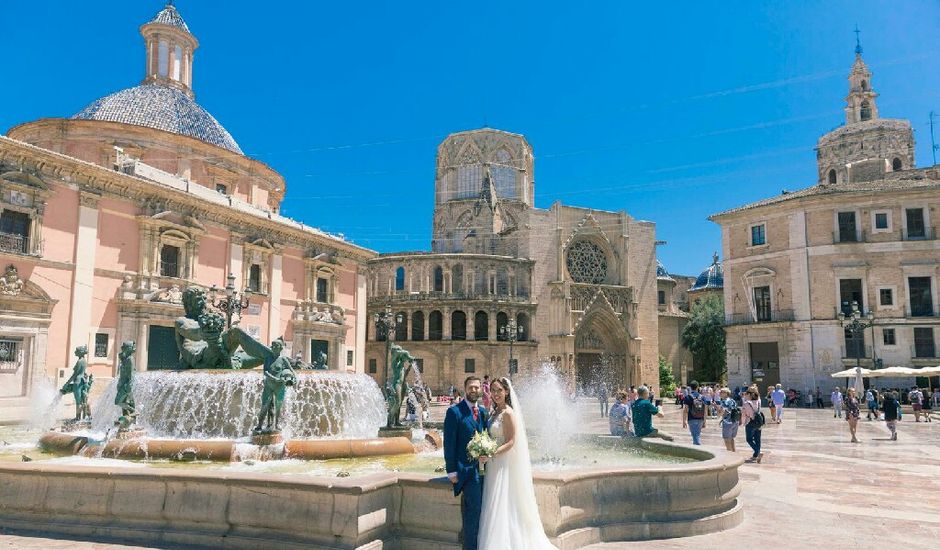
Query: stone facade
[794,261]
[580,283]
[673,309]
[106,218]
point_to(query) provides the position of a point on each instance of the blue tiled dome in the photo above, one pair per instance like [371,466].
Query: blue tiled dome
[161,107]
[712,277]
[661,272]
[169,16]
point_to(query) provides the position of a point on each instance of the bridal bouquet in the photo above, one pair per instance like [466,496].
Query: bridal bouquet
[481,445]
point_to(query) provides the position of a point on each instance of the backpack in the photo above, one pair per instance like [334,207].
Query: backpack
[735,415]
[758,421]
[697,408]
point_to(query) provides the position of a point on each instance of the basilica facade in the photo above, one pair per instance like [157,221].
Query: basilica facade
[574,287]
[106,217]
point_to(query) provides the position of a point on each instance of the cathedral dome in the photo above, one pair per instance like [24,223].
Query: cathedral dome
[712,278]
[163,108]
[661,272]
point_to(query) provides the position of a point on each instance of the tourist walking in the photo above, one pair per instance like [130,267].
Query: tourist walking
[936,397]
[871,401]
[693,413]
[643,411]
[836,398]
[619,415]
[753,421]
[769,396]
[819,401]
[927,407]
[730,417]
[917,402]
[892,409]
[602,398]
[779,397]
[852,412]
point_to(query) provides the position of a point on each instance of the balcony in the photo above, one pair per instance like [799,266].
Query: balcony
[928,234]
[849,237]
[14,243]
[924,352]
[404,296]
[776,316]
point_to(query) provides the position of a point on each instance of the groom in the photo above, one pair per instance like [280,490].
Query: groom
[462,421]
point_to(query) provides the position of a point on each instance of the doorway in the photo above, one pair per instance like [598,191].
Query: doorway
[765,364]
[162,352]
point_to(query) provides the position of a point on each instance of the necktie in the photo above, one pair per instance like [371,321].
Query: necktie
[476,414]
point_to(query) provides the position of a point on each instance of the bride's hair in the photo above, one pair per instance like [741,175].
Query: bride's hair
[504,383]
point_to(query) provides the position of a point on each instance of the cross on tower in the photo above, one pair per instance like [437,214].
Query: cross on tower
[858,42]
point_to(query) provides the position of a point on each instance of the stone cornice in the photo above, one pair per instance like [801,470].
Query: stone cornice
[119,185]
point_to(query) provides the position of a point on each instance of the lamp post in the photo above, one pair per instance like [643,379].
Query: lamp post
[230,303]
[856,326]
[511,332]
[389,322]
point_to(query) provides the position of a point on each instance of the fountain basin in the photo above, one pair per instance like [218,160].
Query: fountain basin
[64,444]
[245,510]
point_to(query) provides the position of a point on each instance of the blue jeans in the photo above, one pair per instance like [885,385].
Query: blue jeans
[695,428]
[753,437]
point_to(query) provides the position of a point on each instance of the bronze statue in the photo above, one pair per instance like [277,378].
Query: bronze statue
[204,343]
[125,386]
[79,385]
[278,375]
[397,389]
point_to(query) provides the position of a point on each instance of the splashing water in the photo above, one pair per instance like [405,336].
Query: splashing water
[214,404]
[44,405]
[551,419]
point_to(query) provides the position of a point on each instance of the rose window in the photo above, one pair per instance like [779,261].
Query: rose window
[587,263]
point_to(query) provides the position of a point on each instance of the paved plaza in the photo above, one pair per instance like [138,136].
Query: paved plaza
[813,487]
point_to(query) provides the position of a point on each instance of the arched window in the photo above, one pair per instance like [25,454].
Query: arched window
[401,328]
[896,164]
[400,278]
[417,325]
[458,325]
[469,181]
[501,321]
[864,85]
[438,279]
[481,326]
[866,111]
[456,279]
[522,324]
[832,176]
[435,326]
[254,278]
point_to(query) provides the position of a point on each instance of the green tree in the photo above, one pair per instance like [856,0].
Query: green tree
[704,336]
[667,382]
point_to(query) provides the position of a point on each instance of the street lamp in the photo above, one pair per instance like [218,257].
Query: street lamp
[390,323]
[856,326]
[230,303]
[510,331]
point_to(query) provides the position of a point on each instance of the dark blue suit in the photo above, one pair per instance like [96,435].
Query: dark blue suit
[459,427]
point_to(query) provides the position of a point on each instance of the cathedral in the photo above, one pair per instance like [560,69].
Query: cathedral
[506,283]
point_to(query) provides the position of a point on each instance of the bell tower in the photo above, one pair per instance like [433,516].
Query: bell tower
[170,48]
[860,103]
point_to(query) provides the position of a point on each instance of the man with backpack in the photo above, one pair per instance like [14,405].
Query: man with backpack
[693,407]
[730,417]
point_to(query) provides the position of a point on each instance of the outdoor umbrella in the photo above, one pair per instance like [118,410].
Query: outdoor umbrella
[850,373]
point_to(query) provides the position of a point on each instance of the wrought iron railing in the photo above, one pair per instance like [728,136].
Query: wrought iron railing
[775,316]
[13,242]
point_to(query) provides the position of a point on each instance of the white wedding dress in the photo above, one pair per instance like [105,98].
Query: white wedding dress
[510,516]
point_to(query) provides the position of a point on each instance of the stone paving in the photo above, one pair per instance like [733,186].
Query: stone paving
[813,486]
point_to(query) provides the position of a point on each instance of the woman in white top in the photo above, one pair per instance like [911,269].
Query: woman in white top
[752,430]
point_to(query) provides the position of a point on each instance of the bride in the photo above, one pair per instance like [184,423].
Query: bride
[510,517]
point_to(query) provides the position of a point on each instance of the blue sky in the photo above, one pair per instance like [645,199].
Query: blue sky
[669,110]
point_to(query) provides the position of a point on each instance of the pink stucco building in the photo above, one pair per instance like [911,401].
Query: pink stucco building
[105,217]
